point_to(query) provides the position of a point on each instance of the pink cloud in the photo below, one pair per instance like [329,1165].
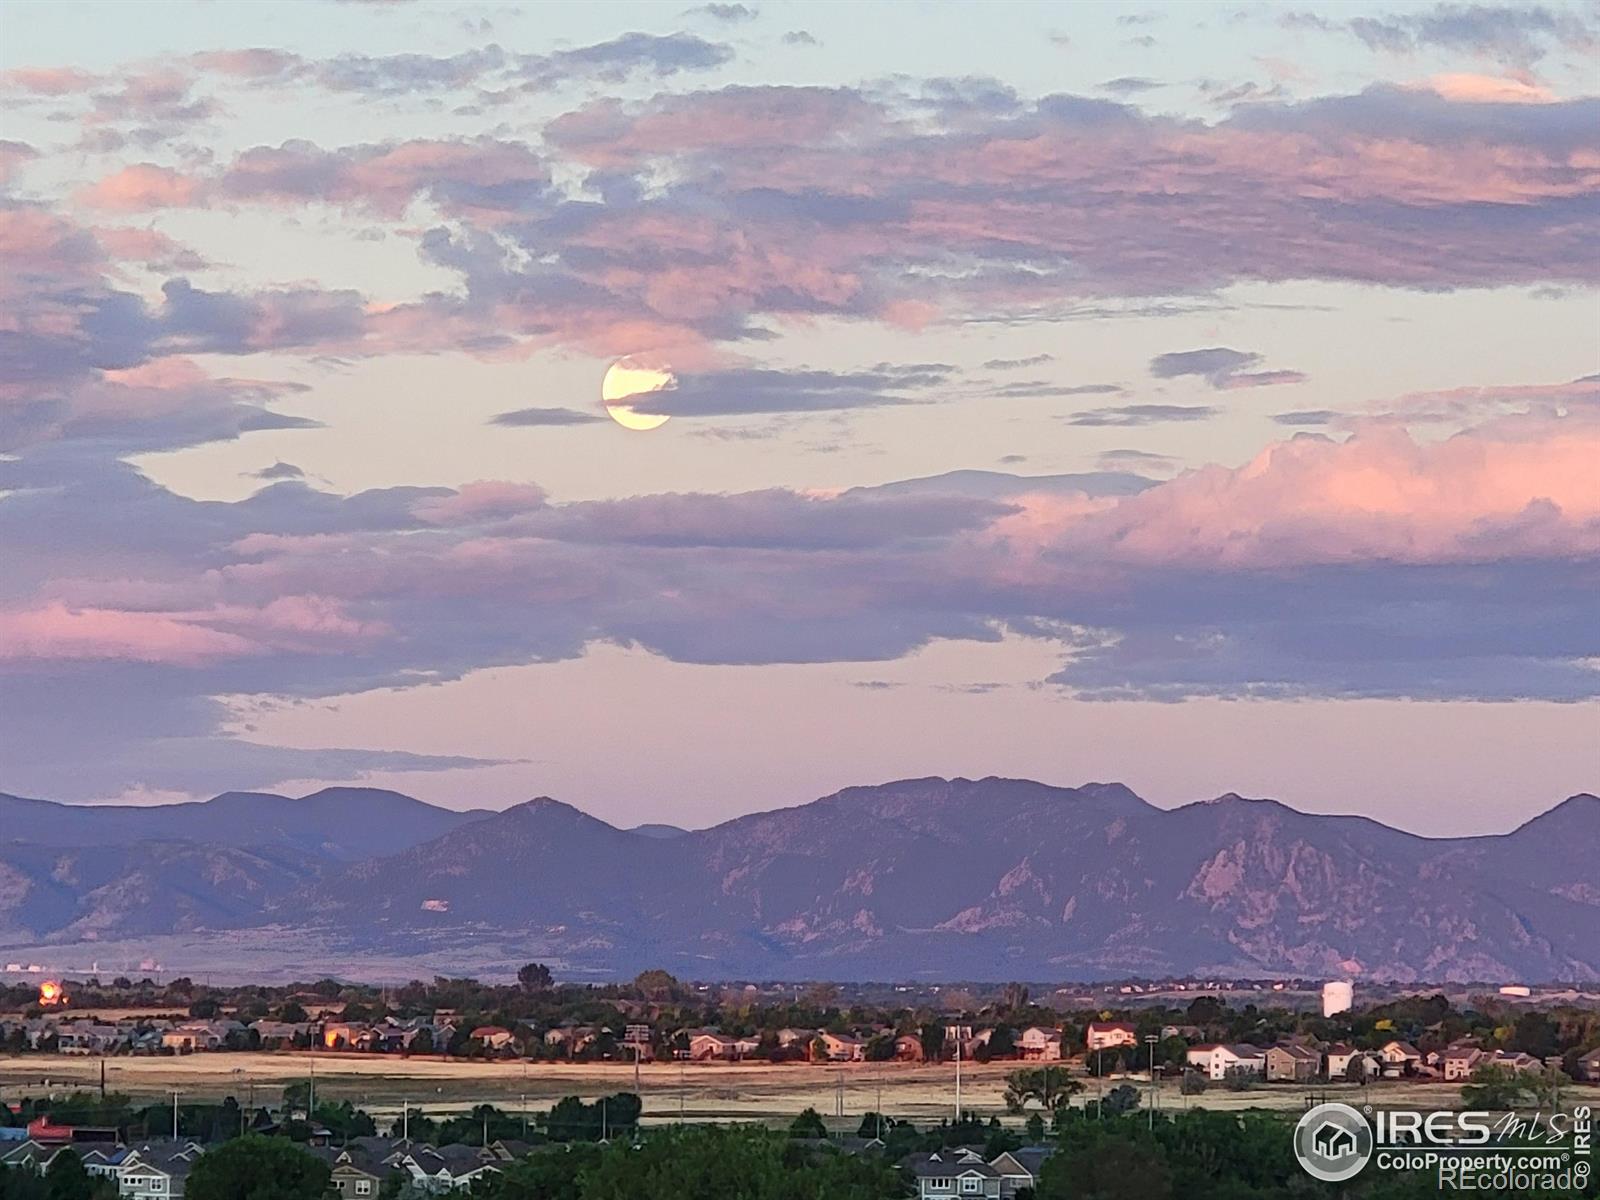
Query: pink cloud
[385,179]
[1513,489]
[1488,89]
[141,187]
[149,247]
[58,633]
[486,499]
[47,81]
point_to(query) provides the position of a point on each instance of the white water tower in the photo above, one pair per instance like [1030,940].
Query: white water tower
[1337,997]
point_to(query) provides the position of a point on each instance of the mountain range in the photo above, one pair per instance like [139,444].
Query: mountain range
[919,879]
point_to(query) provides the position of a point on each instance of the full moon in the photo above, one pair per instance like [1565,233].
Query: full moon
[627,380]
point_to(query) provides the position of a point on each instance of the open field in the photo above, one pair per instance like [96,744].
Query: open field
[698,1091]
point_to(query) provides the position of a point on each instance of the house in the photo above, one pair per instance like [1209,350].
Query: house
[958,1040]
[88,1037]
[155,1170]
[908,1048]
[843,1047]
[1217,1059]
[448,1168]
[1399,1058]
[1040,1043]
[1107,1035]
[1516,1060]
[1459,1062]
[640,1042]
[954,1174]
[1589,1066]
[346,1035]
[1292,1064]
[358,1169]
[277,1035]
[1189,1033]
[30,1155]
[788,1037]
[1339,1057]
[492,1037]
[1019,1169]
[706,1044]
[188,1038]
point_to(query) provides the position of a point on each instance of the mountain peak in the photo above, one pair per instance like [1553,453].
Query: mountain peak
[1578,811]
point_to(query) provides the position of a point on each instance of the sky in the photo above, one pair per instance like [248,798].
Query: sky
[1204,397]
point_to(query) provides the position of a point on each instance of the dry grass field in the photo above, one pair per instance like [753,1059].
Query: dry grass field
[698,1091]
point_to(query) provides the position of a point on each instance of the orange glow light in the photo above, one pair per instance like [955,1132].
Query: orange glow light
[50,993]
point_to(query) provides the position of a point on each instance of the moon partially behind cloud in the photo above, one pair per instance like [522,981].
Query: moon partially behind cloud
[627,380]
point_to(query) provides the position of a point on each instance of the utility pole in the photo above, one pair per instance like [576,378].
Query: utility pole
[405,1121]
[311,1095]
[605,1125]
[958,1076]
[102,1081]
[174,1116]
[1150,1040]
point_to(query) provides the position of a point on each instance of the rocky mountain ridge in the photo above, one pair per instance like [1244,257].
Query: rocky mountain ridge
[921,878]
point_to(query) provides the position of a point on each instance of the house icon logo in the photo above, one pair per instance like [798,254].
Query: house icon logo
[1333,1142]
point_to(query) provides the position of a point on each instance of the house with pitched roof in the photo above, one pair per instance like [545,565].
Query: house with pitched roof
[1019,1169]
[843,1047]
[1290,1063]
[1399,1058]
[1217,1059]
[954,1174]
[1589,1066]
[1040,1043]
[1107,1035]
[156,1170]
[1458,1063]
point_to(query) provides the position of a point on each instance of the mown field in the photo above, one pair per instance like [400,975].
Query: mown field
[698,1091]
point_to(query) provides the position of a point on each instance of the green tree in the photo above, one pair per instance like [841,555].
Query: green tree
[1107,1167]
[747,1163]
[1123,1098]
[1048,1087]
[68,1179]
[808,1125]
[1002,1042]
[1495,1088]
[257,1168]
[657,985]
[534,977]
[874,1125]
